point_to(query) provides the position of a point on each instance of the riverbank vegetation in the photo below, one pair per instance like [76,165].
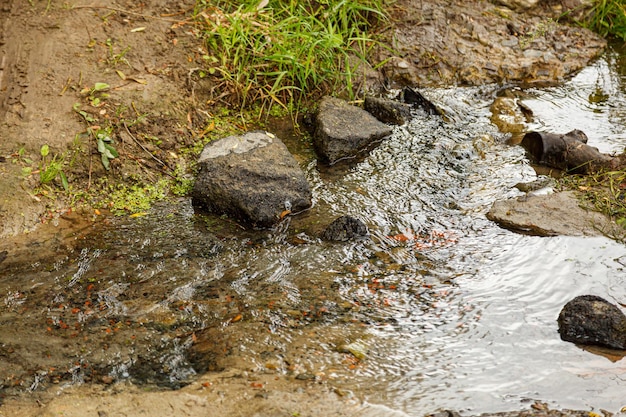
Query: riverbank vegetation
[259,58]
[607,18]
[274,53]
[604,192]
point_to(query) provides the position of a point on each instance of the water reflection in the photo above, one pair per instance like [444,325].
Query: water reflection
[449,310]
[593,101]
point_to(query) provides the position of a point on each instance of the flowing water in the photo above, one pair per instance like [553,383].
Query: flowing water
[438,308]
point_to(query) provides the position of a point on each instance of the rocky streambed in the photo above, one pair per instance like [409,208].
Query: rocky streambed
[432,310]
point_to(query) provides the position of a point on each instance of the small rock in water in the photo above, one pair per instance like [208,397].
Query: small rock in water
[591,320]
[305,377]
[343,130]
[345,228]
[358,349]
[416,99]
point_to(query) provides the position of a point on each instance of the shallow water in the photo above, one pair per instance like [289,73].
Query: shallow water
[452,311]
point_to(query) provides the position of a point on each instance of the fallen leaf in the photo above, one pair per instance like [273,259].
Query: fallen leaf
[137,80]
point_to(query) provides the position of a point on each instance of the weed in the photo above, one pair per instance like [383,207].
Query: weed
[607,18]
[277,53]
[20,157]
[604,192]
[540,30]
[96,94]
[103,135]
[51,168]
[114,59]
[107,151]
[136,198]
[182,183]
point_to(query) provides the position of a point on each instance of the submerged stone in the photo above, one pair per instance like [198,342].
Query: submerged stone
[591,320]
[343,130]
[345,228]
[252,178]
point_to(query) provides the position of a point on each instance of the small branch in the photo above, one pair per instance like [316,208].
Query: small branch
[90,170]
[148,152]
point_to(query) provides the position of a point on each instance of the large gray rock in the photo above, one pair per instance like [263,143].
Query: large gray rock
[591,320]
[252,178]
[550,215]
[343,130]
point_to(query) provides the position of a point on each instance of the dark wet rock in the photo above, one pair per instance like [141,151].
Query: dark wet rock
[252,178]
[345,228]
[549,215]
[417,100]
[591,320]
[388,111]
[343,130]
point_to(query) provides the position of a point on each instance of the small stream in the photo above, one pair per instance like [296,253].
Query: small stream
[438,308]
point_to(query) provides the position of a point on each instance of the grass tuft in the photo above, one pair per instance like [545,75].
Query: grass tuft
[604,192]
[607,18]
[279,52]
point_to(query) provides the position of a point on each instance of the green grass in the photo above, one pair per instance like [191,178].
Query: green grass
[280,52]
[607,18]
[604,192]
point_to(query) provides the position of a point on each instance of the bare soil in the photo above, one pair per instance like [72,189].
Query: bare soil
[149,53]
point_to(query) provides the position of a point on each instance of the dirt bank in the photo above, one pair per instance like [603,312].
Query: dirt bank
[53,56]
[478,42]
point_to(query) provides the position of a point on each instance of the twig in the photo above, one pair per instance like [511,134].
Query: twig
[148,152]
[114,9]
[90,166]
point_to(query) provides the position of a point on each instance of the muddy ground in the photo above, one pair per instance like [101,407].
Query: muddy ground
[53,54]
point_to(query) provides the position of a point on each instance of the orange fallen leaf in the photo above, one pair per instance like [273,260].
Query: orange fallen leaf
[401,237]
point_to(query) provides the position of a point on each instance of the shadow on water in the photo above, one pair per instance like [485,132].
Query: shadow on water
[437,308]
